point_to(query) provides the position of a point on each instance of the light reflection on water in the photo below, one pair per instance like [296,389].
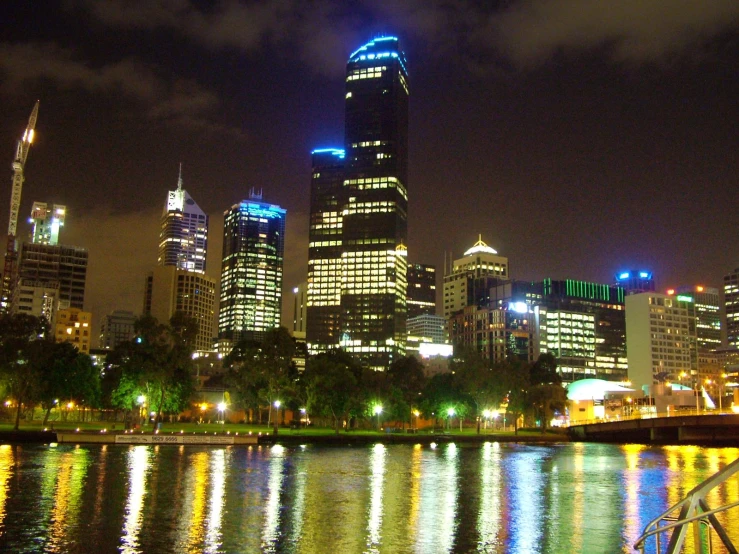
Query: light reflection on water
[382,498]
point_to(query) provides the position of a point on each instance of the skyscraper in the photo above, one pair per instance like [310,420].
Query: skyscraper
[469,279]
[369,229]
[183,239]
[731,305]
[421,290]
[707,315]
[324,250]
[251,273]
[179,283]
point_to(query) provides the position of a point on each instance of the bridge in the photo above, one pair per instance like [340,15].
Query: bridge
[712,428]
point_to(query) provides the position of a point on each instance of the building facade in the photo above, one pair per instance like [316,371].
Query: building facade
[75,326]
[47,220]
[116,327]
[52,265]
[661,338]
[325,246]
[707,315]
[499,334]
[359,209]
[375,222]
[731,307]
[468,280]
[183,239]
[421,297]
[251,272]
[170,290]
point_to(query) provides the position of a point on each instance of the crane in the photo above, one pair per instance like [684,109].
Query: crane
[19,163]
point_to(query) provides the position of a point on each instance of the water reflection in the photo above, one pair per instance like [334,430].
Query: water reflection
[138,465]
[394,498]
[7,461]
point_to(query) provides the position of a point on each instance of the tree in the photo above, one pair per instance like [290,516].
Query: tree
[546,394]
[24,347]
[441,393]
[69,375]
[332,382]
[514,377]
[407,379]
[478,382]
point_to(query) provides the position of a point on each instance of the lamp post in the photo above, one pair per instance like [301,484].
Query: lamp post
[486,415]
[450,414]
[277,405]
[141,400]
[377,411]
[222,411]
[303,414]
[416,413]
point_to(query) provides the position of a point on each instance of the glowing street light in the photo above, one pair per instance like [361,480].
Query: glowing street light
[277,405]
[222,411]
[377,411]
[450,414]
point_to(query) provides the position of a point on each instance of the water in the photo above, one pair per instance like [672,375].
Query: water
[395,498]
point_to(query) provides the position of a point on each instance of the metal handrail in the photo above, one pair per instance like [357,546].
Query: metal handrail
[693,509]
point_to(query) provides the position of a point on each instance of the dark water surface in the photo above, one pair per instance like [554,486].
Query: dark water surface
[384,498]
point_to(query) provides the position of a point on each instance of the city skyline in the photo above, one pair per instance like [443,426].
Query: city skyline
[576,155]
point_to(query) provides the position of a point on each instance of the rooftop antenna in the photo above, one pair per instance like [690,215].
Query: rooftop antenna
[179,180]
[254,195]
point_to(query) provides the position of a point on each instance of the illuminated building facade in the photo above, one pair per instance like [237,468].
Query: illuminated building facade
[635,281]
[359,208]
[707,315]
[300,310]
[570,337]
[116,327]
[47,219]
[374,255]
[324,250]
[75,326]
[498,333]
[661,338]
[170,289]
[731,306]
[183,239]
[421,290]
[251,272]
[468,280]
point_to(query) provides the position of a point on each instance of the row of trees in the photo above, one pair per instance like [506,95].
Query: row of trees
[336,388]
[156,366]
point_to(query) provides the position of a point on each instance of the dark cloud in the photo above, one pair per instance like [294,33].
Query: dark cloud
[531,32]
[179,100]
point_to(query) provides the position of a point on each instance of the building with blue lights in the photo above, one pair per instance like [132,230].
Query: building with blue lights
[251,272]
[325,249]
[371,214]
[635,281]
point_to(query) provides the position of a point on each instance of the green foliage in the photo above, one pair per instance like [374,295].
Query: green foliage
[332,382]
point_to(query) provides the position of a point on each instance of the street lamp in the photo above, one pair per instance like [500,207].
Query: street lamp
[377,411]
[141,399]
[277,405]
[222,410]
[416,413]
[450,414]
[303,415]
[486,415]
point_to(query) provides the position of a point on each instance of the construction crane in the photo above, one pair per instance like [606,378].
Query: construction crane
[11,254]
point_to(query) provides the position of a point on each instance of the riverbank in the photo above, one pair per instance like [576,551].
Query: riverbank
[251,437]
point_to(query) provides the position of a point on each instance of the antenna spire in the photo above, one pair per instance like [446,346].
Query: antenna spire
[179,180]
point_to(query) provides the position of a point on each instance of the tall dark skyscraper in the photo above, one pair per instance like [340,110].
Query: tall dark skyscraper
[421,290]
[324,250]
[374,212]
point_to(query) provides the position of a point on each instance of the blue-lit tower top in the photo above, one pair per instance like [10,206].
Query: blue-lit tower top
[635,281]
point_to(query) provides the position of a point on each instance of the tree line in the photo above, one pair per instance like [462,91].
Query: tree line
[156,368]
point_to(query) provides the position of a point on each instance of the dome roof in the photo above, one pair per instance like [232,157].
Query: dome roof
[593,389]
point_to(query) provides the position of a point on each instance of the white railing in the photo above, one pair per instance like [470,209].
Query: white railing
[694,510]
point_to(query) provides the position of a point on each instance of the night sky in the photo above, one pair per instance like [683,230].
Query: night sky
[579,137]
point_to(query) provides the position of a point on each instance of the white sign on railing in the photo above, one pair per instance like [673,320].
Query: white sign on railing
[172,439]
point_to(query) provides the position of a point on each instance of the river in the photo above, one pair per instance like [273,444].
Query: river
[493,497]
